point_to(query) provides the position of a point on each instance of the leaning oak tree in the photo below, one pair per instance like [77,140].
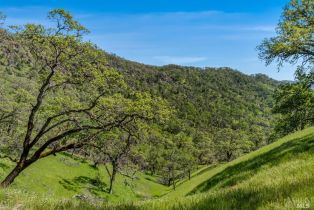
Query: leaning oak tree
[68,103]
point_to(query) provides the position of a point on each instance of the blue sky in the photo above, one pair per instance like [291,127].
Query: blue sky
[201,33]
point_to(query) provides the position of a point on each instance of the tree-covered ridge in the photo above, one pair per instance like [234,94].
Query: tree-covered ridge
[206,98]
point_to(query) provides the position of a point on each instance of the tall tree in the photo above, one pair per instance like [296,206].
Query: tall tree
[117,147]
[178,158]
[295,103]
[114,148]
[294,44]
[204,148]
[231,143]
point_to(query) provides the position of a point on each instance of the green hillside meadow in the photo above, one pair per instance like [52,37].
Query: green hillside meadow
[277,176]
[82,128]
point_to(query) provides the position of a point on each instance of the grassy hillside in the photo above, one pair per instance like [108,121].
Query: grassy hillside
[62,176]
[286,150]
[65,176]
[278,176]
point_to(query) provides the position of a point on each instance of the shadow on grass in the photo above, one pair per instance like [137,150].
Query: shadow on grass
[74,157]
[95,186]
[268,197]
[151,179]
[210,167]
[4,166]
[79,160]
[246,169]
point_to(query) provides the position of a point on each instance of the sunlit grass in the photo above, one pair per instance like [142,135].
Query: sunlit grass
[62,177]
[278,176]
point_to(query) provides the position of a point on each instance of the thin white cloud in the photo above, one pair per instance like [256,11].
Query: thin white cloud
[256,28]
[261,28]
[181,60]
[183,14]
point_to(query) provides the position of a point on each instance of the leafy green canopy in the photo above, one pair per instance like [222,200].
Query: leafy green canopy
[294,41]
[59,92]
[294,44]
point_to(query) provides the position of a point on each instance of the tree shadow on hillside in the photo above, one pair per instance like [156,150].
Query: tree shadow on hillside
[246,169]
[4,166]
[210,167]
[74,157]
[269,197]
[79,159]
[95,186]
[152,179]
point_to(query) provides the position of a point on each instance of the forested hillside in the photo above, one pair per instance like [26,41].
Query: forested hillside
[208,99]
[60,93]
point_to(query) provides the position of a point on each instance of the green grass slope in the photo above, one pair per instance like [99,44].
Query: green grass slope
[278,176]
[62,177]
[285,150]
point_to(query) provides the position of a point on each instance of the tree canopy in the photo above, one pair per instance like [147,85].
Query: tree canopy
[294,41]
[294,44]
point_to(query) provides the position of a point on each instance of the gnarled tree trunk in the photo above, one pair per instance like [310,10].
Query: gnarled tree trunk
[13,174]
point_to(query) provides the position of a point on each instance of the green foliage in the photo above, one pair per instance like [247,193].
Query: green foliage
[230,143]
[296,104]
[294,40]
[204,148]
[170,156]
[65,22]
[207,100]
[294,43]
